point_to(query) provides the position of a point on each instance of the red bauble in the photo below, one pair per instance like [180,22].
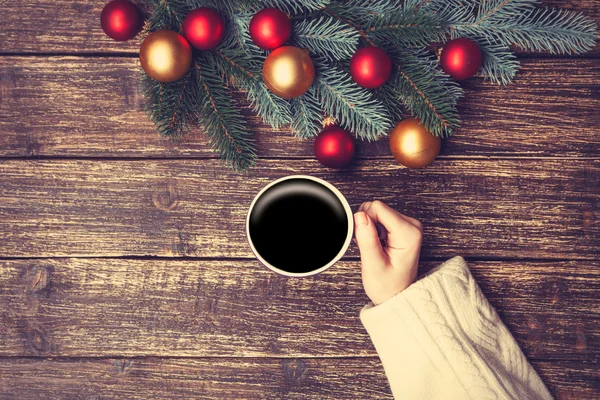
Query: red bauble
[370,67]
[270,28]
[334,147]
[121,20]
[461,59]
[204,28]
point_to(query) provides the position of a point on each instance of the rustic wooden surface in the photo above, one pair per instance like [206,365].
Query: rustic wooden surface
[215,308]
[124,271]
[541,208]
[549,111]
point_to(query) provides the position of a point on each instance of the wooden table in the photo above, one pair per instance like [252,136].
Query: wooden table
[125,273]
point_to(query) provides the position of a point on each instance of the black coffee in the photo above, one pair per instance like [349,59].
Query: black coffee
[298,225]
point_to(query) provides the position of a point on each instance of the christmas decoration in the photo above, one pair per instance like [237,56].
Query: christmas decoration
[204,28]
[334,147]
[461,59]
[165,56]
[121,20]
[270,28]
[370,67]
[288,72]
[331,32]
[412,145]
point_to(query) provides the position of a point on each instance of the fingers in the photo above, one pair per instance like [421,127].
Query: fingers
[416,223]
[403,231]
[371,253]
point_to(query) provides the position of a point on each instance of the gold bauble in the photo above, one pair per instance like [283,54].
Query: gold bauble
[165,56]
[288,72]
[412,145]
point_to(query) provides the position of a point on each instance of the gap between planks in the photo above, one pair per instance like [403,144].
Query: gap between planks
[241,259]
[290,158]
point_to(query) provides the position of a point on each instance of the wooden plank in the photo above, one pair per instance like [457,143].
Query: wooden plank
[306,379]
[34,26]
[117,307]
[92,107]
[534,208]
[188,378]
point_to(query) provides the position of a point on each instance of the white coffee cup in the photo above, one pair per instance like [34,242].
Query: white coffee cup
[302,185]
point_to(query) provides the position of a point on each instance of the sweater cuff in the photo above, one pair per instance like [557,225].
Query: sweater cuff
[408,340]
[373,316]
[442,333]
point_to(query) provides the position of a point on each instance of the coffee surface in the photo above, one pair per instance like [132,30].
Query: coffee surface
[298,225]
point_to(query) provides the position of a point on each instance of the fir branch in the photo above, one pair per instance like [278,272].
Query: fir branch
[354,107]
[362,12]
[388,96]
[555,31]
[240,31]
[245,74]
[307,115]
[499,64]
[426,91]
[326,37]
[518,22]
[171,106]
[416,28]
[295,6]
[221,117]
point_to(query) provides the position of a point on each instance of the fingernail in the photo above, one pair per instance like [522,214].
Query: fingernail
[360,218]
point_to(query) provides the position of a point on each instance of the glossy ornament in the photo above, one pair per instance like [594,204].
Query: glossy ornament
[121,20]
[270,28]
[334,147]
[288,72]
[412,145]
[370,67]
[461,58]
[165,56]
[204,28]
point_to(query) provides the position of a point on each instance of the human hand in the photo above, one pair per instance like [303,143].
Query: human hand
[389,270]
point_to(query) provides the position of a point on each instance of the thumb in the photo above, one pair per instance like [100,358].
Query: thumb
[371,253]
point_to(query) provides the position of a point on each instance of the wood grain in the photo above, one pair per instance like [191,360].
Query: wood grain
[116,307]
[534,208]
[74,27]
[92,107]
[306,379]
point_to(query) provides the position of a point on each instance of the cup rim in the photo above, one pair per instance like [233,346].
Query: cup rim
[342,251]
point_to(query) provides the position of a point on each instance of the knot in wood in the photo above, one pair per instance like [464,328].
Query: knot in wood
[37,341]
[294,372]
[165,198]
[38,278]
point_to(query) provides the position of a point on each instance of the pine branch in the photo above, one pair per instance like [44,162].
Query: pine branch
[240,31]
[295,6]
[171,106]
[518,22]
[307,115]
[221,118]
[362,12]
[388,96]
[353,107]
[416,28]
[555,31]
[426,91]
[245,74]
[326,37]
[499,64]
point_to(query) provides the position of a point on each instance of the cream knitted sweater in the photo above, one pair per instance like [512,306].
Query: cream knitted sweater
[441,339]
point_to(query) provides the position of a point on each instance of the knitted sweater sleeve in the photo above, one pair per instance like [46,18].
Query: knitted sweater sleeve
[441,339]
